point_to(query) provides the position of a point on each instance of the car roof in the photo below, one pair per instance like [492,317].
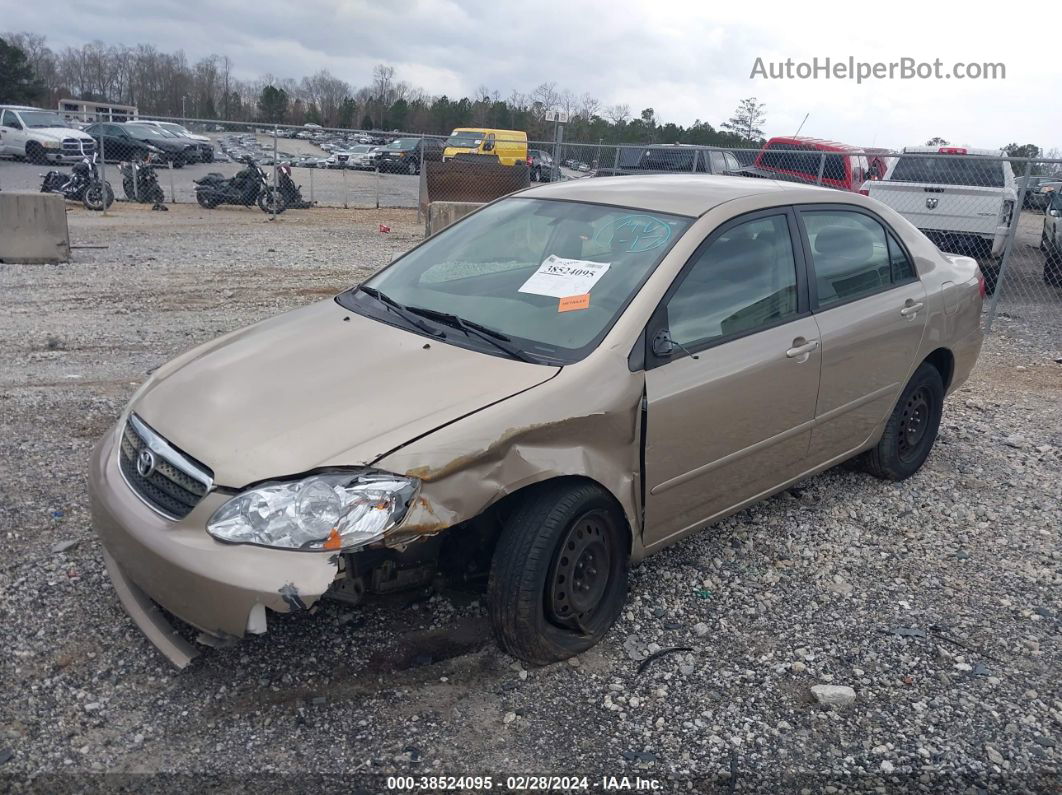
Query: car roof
[942,150]
[681,194]
[818,143]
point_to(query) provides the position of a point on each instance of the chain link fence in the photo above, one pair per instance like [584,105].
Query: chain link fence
[1005,212]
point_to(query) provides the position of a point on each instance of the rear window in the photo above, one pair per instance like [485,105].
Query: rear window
[949,170]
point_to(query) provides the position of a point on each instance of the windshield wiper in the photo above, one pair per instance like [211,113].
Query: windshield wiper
[400,310]
[494,337]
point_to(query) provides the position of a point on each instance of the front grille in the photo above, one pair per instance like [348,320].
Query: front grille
[174,485]
[76,146]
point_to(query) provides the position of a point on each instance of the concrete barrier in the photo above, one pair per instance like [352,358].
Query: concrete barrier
[442,214]
[33,228]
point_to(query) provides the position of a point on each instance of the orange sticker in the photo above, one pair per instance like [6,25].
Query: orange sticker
[573,302]
[333,541]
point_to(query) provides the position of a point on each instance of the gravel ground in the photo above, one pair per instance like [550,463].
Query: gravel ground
[937,601]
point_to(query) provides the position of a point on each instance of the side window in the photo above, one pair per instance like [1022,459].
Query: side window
[850,253]
[718,162]
[744,280]
[832,168]
[9,119]
[732,163]
[902,267]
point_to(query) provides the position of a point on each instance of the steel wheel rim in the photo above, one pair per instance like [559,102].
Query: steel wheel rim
[914,423]
[579,576]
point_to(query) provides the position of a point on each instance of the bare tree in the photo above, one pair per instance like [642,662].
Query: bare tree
[747,120]
[589,106]
[618,114]
[544,97]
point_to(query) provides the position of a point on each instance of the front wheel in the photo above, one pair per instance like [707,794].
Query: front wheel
[98,196]
[35,153]
[911,429]
[272,201]
[558,579]
[412,168]
[1052,267]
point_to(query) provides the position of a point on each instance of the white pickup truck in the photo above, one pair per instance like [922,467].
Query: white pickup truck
[41,136]
[962,199]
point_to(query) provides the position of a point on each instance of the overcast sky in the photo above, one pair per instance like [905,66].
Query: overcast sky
[687,60]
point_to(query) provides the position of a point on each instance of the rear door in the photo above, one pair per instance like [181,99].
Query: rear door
[871,311]
[729,411]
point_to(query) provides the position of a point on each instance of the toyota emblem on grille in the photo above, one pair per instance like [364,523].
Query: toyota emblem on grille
[145,463]
[931,203]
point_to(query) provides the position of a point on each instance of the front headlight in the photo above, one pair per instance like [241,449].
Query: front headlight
[52,144]
[330,511]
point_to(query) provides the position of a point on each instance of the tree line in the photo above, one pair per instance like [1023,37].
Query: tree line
[167,84]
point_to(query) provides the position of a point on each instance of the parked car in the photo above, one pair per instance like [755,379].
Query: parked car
[540,165]
[403,155]
[506,147]
[1051,237]
[203,144]
[962,199]
[42,136]
[612,365]
[800,159]
[1036,198]
[671,157]
[117,143]
[120,141]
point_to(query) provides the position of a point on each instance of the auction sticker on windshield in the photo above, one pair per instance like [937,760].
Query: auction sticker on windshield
[558,277]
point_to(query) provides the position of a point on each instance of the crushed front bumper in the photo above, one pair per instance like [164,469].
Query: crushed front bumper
[221,589]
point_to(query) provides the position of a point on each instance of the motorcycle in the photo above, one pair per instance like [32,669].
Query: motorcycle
[141,183]
[247,187]
[83,185]
[290,193]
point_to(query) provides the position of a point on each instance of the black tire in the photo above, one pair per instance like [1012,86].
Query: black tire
[178,161]
[412,168]
[206,202]
[98,196]
[1052,267]
[35,153]
[155,195]
[991,277]
[208,157]
[912,428]
[268,197]
[533,614]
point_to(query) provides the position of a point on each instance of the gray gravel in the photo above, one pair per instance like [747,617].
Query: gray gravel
[936,601]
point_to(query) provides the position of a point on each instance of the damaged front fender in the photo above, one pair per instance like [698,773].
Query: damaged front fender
[538,435]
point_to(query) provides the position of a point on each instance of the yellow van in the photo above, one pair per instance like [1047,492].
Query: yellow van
[508,146]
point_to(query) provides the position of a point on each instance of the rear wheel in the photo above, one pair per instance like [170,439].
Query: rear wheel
[412,168]
[911,429]
[205,201]
[558,578]
[990,271]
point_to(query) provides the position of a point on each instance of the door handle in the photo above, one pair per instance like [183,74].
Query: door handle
[801,348]
[911,309]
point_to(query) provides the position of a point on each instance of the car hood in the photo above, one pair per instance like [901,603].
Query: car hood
[319,386]
[57,133]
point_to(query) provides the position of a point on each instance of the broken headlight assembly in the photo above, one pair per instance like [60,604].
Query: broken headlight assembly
[327,511]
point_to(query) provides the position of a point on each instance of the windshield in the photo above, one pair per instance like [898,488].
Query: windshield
[42,118]
[949,170]
[404,143]
[465,139]
[176,129]
[151,132]
[552,275]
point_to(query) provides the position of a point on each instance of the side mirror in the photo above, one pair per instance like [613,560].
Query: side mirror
[662,345]
[1055,213]
[488,146]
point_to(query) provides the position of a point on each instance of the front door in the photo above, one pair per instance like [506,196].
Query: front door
[729,411]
